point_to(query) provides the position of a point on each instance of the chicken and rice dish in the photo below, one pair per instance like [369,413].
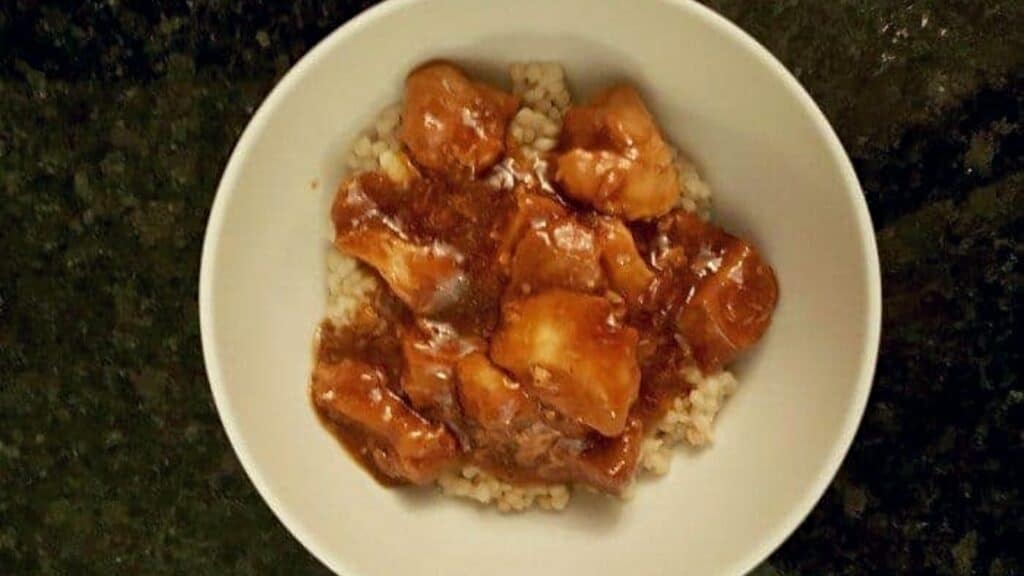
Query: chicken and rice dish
[527,295]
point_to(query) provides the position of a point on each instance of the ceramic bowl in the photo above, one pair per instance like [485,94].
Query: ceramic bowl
[780,178]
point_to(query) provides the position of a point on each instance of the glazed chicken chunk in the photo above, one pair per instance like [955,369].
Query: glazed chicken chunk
[557,254]
[407,445]
[734,291]
[573,355]
[732,308]
[453,125]
[584,255]
[431,351]
[490,397]
[610,463]
[627,272]
[615,158]
[531,210]
[521,433]
[427,276]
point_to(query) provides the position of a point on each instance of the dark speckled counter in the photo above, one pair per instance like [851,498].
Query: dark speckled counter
[116,118]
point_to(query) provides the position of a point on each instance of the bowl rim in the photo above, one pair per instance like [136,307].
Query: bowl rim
[708,17]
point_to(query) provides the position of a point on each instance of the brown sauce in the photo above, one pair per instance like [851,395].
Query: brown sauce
[510,331]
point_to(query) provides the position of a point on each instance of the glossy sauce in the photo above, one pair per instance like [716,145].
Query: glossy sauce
[533,333]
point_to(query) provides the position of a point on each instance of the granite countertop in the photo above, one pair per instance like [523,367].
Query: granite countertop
[116,118]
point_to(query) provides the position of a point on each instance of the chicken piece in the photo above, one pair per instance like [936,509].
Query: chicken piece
[431,352]
[627,272]
[557,254]
[720,290]
[731,308]
[513,429]
[610,464]
[532,210]
[615,158]
[701,243]
[490,398]
[573,355]
[427,277]
[354,207]
[452,124]
[410,447]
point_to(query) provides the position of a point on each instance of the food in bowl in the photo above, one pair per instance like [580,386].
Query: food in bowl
[525,294]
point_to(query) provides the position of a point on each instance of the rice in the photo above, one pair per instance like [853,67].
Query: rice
[545,97]
[374,143]
[689,419]
[349,285]
[542,87]
[534,132]
[694,193]
[473,483]
[535,128]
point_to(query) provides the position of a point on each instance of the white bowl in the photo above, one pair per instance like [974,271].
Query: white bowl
[780,178]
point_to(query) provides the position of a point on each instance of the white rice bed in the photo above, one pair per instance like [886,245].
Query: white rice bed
[535,128]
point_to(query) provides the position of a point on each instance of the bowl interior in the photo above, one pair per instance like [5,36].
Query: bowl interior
[780,178]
